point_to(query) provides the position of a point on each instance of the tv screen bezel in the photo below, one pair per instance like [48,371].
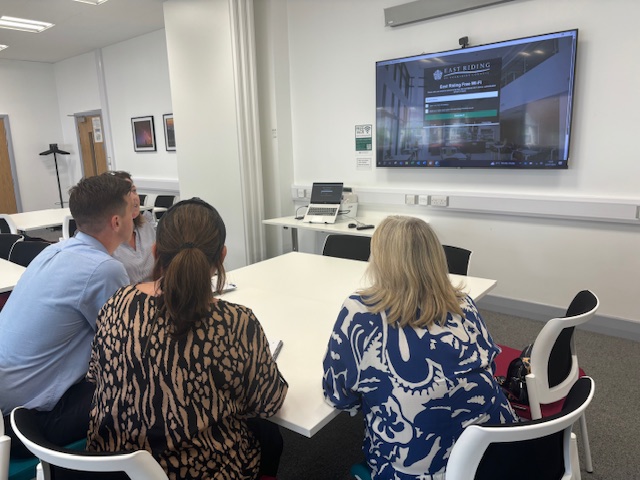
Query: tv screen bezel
[518,165]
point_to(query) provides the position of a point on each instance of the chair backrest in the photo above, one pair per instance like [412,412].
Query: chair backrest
[554,362]
[143,198]
[533,450]
[6,224]
[69,227]
[457,259]
[139,465]
[7,241]
[23,253]
[164,201]
[347,246]
[5,452]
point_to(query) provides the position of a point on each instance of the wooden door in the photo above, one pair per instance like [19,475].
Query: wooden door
[7,191]
[94,157]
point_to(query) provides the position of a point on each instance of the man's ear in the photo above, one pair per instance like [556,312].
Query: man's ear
[223,254]
[115,223]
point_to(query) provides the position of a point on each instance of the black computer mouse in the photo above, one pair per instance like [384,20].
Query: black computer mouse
[352,225]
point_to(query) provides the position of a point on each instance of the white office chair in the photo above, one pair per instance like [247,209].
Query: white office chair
[534,450]
[541,449]
[554,365]
[7,225]
[139,465]
[5,452]
[68,227]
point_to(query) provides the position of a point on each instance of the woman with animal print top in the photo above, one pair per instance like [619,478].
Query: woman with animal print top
[182,374]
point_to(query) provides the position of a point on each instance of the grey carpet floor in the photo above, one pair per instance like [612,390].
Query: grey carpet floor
[612,421]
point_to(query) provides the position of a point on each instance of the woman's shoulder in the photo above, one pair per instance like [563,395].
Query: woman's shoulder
[468,306]
[355,309]
[233,311]
[122,293]
[357,302]
[121,302]
[126,295]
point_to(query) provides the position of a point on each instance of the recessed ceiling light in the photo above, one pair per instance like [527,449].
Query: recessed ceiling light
[23,24]
[92,2]
[2,47]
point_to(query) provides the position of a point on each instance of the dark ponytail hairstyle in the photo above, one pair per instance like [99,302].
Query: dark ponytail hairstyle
[189,243]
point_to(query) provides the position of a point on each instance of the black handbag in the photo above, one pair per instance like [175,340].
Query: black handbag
[515,384]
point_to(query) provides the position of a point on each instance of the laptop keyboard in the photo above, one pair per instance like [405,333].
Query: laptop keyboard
[321,211]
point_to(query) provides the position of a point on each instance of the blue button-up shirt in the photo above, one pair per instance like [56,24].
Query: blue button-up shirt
[49,321]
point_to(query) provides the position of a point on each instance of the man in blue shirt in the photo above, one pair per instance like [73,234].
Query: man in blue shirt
[49,321]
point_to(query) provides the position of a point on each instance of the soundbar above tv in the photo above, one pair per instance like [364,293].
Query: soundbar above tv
[500,105]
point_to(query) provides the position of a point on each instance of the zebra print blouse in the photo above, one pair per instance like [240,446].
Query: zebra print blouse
[185,399]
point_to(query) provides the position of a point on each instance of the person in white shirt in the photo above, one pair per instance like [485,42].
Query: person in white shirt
[135,254]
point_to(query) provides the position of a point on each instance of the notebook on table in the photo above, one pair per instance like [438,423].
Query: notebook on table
[325,203]
[275,344]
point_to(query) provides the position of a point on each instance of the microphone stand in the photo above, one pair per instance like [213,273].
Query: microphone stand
[53,148]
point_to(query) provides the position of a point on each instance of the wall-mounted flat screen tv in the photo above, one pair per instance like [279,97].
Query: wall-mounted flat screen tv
[501,105]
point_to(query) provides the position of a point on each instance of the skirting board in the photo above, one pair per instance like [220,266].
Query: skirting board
[607,325]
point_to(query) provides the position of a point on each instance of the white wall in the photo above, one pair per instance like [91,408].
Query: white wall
[272,58]
[77,90]
[333,88]
[43,98]
[137,85]
[28,97]
[201,66]
[333,47]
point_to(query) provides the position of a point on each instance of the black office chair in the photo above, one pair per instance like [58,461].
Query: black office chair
[23,253]
[7,241]
[164,202]
[457,259]
[347,246]
[143,198]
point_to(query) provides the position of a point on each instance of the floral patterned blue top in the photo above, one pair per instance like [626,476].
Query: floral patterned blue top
[417,388]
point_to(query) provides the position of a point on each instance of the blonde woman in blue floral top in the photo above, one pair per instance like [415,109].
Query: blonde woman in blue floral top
[412,352]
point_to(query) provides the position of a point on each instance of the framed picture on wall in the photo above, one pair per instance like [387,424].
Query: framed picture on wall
[144,134]
[169,132]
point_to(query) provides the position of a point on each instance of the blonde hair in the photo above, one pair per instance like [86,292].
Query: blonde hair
[409,276]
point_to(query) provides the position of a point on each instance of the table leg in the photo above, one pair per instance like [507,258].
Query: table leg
[294,239]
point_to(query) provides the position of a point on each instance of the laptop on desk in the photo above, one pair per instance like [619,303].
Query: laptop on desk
[325,203]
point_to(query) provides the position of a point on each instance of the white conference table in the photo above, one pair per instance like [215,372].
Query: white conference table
[39,219]
[52,217]
[10,273]
[297,298]
[341,225]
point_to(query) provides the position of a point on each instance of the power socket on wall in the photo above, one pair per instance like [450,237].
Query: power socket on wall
[439,201]
[410,199]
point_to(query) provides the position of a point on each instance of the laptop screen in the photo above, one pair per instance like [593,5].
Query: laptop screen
[329,193]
